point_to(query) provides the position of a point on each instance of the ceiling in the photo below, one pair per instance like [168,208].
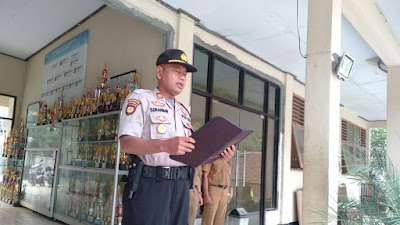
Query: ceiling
[27,26]
[266,28]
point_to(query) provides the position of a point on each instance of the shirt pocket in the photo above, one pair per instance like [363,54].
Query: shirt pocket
[160,126]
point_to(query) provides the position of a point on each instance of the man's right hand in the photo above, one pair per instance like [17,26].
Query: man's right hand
[207,199]
[179,145]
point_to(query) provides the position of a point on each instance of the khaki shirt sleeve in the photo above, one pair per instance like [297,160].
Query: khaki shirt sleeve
[206,168]
[132,116]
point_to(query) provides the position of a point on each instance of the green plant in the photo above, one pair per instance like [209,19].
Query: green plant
[382,207]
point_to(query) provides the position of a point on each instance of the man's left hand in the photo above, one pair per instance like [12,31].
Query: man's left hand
[228,153]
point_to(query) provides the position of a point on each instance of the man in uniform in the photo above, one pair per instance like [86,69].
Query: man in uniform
[216,194]
[195,197]
[153,125]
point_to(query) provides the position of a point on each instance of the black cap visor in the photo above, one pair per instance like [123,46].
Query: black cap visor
[189,68]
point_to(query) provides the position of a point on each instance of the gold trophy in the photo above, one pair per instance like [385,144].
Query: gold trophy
[100,130]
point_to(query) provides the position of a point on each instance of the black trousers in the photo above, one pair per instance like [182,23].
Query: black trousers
[157,202]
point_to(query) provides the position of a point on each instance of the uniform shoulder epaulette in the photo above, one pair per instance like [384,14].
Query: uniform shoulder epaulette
[139,91]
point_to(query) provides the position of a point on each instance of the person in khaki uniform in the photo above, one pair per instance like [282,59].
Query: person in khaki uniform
[215,192]
[195,197]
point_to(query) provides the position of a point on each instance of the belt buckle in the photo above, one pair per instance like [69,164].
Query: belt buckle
[167,172]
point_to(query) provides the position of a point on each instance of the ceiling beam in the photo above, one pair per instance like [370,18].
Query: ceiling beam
[369,22]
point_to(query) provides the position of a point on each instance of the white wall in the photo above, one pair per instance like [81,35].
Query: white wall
[119,40]
[12,79]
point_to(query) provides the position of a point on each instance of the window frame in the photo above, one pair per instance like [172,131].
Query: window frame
[299,124]
[13,116]
[210,97]
[362,147]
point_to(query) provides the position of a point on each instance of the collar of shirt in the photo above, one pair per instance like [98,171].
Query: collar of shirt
[160,97]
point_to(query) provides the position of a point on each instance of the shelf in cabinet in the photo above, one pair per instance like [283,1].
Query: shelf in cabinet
[93,169]
[90,142]
[41,149]
[92,116]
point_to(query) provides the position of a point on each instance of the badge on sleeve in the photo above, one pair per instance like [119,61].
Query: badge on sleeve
[130,109]
[134,101]
[184,112]
[161,129]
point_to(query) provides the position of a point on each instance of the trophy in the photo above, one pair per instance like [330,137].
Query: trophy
[107,130]
[113,131]
[119,207]
[100,131]
[97,155]
[123,161]
[113,155]
[105,156]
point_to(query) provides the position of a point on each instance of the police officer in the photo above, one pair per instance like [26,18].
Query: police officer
[215,192]
[153,125]
[195,196]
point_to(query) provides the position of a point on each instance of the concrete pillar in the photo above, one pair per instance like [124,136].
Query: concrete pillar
[184,41]
[393,115]
[322,112]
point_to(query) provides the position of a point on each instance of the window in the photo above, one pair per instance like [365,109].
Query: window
[297,132]
[353,142]
[249,101]
[7,110]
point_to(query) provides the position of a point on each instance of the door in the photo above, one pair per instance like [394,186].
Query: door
[246,165]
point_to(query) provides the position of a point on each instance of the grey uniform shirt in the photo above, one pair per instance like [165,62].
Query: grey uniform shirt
[147,114]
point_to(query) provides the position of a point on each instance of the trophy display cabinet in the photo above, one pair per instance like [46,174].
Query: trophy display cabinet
[38,189]
[87,186]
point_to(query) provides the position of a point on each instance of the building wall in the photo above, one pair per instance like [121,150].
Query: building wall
[124,43]
[13,76]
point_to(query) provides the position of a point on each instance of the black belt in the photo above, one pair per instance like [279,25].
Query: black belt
[220,186]
[166,173]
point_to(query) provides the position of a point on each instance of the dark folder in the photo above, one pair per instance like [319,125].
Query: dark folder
[211,139]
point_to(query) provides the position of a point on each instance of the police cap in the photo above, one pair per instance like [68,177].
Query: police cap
[175,56]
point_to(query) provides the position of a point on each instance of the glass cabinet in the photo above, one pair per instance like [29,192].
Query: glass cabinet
[87,170]
[39,171]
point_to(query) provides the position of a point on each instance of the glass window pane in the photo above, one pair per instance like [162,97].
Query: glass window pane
[299,132]
[5,130]
[198,111]
[201,63]
[271,100]
[350,133]
[229,112]
[226,81]
[253,93]
[6,106]
[269,165]
[357,136]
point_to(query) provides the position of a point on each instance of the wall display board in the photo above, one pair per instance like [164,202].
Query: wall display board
[65,68]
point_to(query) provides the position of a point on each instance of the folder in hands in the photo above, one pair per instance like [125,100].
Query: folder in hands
[212,139]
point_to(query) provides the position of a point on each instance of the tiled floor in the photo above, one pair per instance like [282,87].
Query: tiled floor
[10,215]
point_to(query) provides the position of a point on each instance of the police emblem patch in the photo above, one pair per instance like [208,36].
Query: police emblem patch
[159,95]
[157,103]
[183,57]
[161,129]
[161,118]
[130,108]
